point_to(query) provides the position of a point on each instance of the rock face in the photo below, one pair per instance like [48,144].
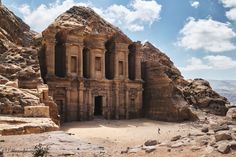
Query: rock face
[20,78]
[199,94]
[163,98]
[13,31]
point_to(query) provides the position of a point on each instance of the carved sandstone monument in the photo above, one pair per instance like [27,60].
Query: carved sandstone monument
[91,69]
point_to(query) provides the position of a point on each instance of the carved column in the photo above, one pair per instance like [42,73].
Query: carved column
[50,56]
[90,105]
[137,61]
[67,105]
[68,70]
[80,61]
[117,101]
[140,103]
[126,65]
[127,102]
[81,101]
[116,66]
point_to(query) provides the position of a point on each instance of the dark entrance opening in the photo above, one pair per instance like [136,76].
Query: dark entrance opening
[60,56]
[98,106]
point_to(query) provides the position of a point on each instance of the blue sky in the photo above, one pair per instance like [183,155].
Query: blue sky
[198,35]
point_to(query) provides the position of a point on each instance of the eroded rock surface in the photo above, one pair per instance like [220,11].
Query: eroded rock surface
[20,78]
[163,98]
[199,94]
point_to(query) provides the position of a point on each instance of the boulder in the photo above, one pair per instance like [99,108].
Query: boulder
[36,111]
[222,136]
[233,145]
[150,143]
[232,113]
[224,148]
[220,127]
[199,93]
[175,138]
[205,129]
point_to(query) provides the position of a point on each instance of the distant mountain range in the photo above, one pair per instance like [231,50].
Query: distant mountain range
[226,88]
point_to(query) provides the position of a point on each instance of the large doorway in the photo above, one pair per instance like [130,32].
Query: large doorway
[98,106]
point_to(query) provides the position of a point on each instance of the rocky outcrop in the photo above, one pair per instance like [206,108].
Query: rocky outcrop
[167,93]
[163,98]
[13,31]
[20,76]
[17,126]
[199,94]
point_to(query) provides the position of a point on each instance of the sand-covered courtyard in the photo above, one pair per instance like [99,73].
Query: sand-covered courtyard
[116,135]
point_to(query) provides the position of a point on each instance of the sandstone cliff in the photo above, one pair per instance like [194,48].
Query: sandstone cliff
[20,78]
[167,96]
[163,98]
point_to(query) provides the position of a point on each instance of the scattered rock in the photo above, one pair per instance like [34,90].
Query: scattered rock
[177,145]
[175,138]
[233,145]
[223,136]
[205,129]
[150,143]
[150,149]
[231,113]
[224,148]
[1,153]
[221,127]
[195,148]
[134,150]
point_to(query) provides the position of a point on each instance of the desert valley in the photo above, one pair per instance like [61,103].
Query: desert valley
[83,88]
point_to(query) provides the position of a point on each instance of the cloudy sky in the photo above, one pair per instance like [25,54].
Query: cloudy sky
[198,35]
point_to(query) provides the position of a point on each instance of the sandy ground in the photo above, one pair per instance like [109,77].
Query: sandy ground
[108,138]
[115,136]
[126,133]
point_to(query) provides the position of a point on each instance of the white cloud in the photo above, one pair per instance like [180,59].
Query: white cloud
[195,64]
[195,4]
[207,34]
[25,9]
[209,62]
[231,14]
[231,4]
[43,15]
[220,62]
[133,17]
